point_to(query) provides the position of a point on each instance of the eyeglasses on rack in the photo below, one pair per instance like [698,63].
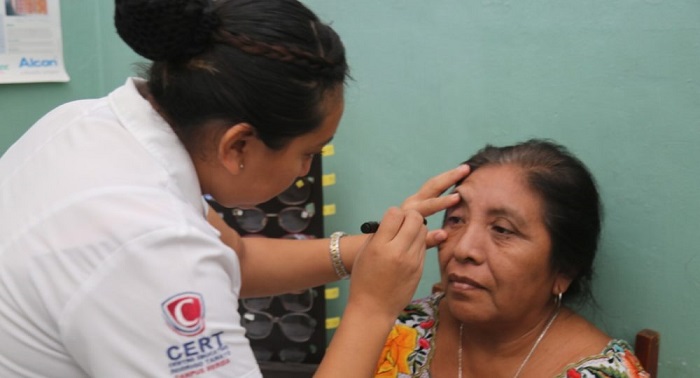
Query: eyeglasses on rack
[287,236]
[291,219]
[301,301]
[293,354]
[297,327]
[297,193]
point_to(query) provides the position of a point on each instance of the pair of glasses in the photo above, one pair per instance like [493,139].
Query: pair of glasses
[292,354]
[298,327]
[297,302]
[291,219]
[297,193]
[287,236]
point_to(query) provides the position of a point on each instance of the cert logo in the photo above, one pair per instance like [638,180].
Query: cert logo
[184,313]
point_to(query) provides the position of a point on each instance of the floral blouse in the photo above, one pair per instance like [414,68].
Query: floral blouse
[410,347]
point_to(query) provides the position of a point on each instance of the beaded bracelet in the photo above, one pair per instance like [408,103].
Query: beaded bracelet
[336,261]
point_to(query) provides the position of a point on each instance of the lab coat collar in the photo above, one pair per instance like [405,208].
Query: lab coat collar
[158,138]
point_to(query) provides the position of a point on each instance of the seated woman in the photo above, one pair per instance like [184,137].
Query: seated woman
[520,246]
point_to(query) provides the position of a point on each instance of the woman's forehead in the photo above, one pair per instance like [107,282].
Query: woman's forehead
[487,178]
[499,188]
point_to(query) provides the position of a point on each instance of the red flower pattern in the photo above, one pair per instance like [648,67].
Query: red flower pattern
[427,324]
[424,344]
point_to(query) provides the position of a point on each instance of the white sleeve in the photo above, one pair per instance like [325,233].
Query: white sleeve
[164,306]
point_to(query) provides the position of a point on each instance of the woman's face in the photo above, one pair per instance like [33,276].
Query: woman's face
[495,262]
[267,172]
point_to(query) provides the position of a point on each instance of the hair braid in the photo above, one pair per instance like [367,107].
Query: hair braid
[283,53]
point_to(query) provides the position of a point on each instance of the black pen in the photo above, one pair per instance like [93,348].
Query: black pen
[372,226]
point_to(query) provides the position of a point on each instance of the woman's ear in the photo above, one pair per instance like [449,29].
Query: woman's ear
[562,282]
[234,145]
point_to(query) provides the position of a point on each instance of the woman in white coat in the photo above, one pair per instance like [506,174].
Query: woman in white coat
[111,264]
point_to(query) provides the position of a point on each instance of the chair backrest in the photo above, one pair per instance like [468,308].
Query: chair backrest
[646,348]
[646,345]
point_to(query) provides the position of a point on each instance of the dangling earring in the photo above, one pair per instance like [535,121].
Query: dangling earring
[557,299]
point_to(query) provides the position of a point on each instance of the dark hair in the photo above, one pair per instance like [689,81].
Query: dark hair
[268,63]
[573,211]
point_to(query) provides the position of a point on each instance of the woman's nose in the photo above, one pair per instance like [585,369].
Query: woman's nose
[305,168]
[471,245]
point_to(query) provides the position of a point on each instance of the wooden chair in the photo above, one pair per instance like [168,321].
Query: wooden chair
[646,348]
[646,345]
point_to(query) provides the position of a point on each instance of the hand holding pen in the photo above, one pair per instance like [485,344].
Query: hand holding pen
[428,201]
[391,261]
[372,226]
[388,267]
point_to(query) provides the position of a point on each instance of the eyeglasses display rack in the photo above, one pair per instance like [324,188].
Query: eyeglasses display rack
[287,332]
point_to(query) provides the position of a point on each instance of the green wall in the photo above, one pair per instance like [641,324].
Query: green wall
[618,82]
[95,58]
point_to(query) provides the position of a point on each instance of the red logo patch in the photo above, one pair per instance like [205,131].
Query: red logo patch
[184,313]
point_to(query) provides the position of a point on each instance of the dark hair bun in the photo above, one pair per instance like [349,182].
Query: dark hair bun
[165,29]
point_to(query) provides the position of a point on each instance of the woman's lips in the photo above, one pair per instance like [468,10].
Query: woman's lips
[463,283]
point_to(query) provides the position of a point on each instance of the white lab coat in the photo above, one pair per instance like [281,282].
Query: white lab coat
[108,267]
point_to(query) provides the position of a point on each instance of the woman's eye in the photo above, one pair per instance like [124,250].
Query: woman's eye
[453,220]
[502,230]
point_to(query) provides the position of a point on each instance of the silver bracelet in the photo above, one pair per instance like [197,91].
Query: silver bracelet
[336,261]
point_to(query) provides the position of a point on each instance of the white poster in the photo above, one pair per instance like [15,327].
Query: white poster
[31,46]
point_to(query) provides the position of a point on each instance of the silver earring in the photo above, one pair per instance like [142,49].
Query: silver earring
[240,166]
[558,299]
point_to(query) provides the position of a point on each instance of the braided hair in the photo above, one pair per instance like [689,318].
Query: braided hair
[268,63]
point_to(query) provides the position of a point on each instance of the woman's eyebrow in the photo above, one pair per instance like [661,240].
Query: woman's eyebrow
[502,210]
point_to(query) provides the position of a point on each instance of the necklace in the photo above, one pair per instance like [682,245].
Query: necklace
[527,358]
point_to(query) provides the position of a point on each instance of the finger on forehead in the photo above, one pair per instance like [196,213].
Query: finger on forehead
[431,206]
[438,184]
